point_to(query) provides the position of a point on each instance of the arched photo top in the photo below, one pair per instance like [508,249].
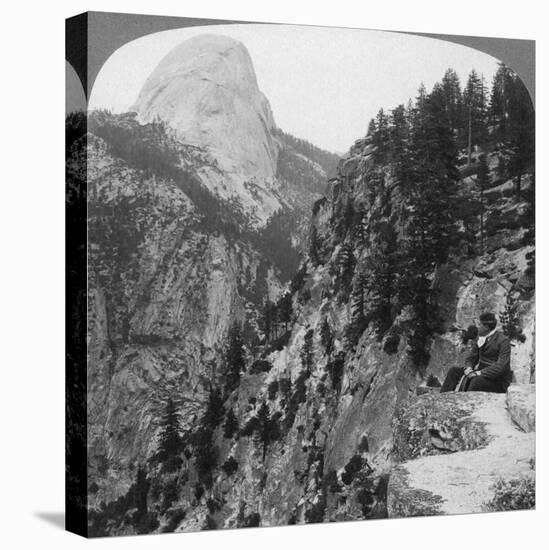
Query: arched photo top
[103,33]
[324,83]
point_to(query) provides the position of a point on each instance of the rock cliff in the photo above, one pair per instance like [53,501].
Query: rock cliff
[294,382]
[174,258]
[206,90]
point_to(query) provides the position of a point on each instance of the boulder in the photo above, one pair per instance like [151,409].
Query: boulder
[442,422]
[451,449]
[521,404]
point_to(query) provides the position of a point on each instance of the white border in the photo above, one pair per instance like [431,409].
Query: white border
[32,232]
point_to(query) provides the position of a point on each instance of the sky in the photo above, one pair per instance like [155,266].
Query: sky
[324,84]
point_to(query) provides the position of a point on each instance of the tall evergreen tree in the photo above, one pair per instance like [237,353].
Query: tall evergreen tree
[499,99]
[326,336]
[358,321]
[514,126]
[206,454]
[284,309]
[399,133]
[360,225]
[434,176]
[307,354]
[266,428]
[371,127]
[170,443]
[230,428]
[344,221]
[453,104]
[375,182]
[380,137]
[522,135]
[267,320]
[314,246]
[483,181]
[383,268]
[418,109]
[431,224]
[214,412]
[335,368]
[345,266]
[474,102]
[141,487]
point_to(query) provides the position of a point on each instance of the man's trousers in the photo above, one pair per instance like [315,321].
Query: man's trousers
[476,383]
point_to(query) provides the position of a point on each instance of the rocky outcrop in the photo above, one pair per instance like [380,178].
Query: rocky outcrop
[452,449]
[487,284]
[521,404]
[206,90]
[178,252]
[167,278]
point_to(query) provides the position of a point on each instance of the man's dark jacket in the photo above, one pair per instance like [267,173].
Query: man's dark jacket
[494,358]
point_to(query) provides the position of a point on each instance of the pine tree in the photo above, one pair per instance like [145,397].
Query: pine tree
[267,429]
[474,101]
[214,408]
[358,321]
[380,137]
[360,225]
[137,498]
[431,223]
[230,466]
[513,114]
[522,134]
[431,196]
[344,221]
[499,100]
[453,104]
[425,320]
[375,182]
[206,454]
[371,127]
[418,109]
[314,246]
[170,442]
[468,211]
[345,264]
[267,320]
[335,370]
[381,285]
[142,485]
[284,309]
[230,428]
[326,336]
[398,139]
[307,355]
[483,181]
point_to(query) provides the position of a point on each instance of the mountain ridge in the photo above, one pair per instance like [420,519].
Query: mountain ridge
[286,414]
[206,90]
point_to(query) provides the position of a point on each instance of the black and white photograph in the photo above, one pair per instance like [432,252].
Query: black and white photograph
[270,275]
[310,280]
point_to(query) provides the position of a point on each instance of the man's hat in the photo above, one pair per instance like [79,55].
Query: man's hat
[489,319]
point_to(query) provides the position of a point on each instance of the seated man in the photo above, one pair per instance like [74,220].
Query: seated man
[488,365]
